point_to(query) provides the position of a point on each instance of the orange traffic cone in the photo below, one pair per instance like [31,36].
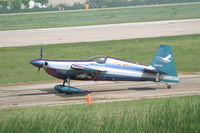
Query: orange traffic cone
[89,99]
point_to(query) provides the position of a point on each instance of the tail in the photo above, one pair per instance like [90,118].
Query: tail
[164,63]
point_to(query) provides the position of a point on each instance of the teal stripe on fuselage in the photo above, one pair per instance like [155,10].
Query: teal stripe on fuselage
[123,78]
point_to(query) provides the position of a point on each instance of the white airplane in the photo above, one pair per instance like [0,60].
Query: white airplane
[161,69]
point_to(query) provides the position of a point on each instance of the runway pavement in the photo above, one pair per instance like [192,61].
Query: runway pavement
[103,91]
[99,32]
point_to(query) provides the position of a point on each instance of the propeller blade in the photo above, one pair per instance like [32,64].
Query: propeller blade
[41,52]
[38,69]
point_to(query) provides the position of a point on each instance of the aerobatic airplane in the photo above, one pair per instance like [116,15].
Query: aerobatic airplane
[105,68]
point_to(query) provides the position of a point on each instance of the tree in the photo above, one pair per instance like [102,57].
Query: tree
[4,3]
[25,2]
[41,1]
[16,4]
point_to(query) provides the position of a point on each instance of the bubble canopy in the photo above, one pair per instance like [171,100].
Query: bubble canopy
[99,58]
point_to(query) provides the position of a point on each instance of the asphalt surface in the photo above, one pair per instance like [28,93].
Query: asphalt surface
[103,91]
[99,32]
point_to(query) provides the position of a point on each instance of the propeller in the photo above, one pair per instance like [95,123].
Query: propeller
[38,70]
[41,56]
[41,52]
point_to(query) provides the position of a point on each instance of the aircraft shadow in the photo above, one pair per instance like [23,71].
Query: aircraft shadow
[114,90]
[53,91]
[142,89]
[62,94]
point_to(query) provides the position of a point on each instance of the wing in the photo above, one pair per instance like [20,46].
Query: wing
[87,68]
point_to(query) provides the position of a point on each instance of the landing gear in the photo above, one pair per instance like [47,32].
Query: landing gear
[169,86]
[157,77]
[68,81]
[68,85]
[67,89]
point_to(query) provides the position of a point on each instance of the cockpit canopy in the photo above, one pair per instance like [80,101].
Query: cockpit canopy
[99,58]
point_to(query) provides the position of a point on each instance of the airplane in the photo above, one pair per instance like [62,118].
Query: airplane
[105,68]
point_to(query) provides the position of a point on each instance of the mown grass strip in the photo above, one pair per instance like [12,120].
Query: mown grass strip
[180,115]
[96,17]
[15,67]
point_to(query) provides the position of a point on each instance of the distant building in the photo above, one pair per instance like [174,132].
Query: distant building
[54,3]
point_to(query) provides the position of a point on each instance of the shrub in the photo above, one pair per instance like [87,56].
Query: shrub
[25,2]
[4,4]
[41,1]
[16,4]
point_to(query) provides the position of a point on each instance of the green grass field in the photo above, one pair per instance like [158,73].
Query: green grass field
[96,17]
[168,115]
[99,4]
[15,67]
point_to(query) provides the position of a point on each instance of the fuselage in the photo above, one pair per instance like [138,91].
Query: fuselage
[107,68]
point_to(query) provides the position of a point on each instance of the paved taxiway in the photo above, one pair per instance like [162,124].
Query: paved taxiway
[44,94]
[99,32]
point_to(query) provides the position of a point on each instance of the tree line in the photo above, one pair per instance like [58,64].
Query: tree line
[16,4]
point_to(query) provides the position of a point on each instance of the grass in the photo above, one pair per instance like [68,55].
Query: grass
[120,3]
[168,115]
[15,67]
[102,3]
[96,17]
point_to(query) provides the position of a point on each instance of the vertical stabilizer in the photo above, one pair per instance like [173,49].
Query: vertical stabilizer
[164,63]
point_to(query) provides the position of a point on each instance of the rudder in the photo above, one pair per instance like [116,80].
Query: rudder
[164,63]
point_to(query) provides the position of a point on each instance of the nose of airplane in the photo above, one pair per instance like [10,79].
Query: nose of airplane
[38,63]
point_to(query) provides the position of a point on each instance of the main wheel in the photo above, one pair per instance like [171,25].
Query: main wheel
[169,86]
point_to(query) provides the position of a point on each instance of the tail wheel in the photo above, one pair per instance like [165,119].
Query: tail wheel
[169,86]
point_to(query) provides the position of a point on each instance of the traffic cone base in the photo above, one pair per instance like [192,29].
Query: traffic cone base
[89,99]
